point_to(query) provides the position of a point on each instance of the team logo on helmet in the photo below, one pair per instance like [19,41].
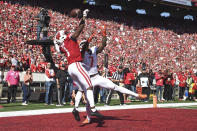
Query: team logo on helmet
[60,36]
[82,43]
[59,39]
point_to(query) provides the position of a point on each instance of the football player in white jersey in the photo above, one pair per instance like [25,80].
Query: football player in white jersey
[90,64]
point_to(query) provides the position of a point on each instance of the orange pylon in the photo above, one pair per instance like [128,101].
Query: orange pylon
[154,101]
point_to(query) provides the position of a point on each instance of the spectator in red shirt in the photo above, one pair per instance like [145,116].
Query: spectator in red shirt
[182,85]
[129,79]
[41,65]
[33,66]
[168,86]
[127,82]
[133,80]
[159,85]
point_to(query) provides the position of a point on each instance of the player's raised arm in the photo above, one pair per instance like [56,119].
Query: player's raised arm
[81,25]
[104,40]
[85,44]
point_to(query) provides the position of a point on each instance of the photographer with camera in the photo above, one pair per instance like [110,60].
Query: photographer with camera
[43,23]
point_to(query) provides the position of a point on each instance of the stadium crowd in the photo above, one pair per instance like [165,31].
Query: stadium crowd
[132,40]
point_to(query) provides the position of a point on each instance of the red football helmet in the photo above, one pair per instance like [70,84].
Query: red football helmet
[59,39]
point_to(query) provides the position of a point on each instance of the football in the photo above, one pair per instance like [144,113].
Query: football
[75,12]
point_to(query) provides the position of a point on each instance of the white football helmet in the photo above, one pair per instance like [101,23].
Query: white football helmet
[59,39]
[82,43]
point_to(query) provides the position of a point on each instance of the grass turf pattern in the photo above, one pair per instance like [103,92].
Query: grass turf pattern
[36,106]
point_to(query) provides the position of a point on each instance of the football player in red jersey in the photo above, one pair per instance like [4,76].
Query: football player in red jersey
[67,44]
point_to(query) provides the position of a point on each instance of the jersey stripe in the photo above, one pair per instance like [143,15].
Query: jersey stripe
[84,75]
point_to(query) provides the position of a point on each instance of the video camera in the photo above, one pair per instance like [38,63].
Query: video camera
[45,18]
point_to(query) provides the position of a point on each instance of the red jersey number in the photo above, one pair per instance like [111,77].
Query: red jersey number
[92,60]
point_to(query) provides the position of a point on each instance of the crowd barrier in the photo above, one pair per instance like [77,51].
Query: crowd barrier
[37,77]
[37,87]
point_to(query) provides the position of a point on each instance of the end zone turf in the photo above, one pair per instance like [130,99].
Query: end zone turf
[150,119]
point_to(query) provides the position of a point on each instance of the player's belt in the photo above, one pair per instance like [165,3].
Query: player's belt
[93,75]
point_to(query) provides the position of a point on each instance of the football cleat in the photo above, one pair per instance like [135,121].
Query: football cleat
[97,114]
[86,121]
[142,96]
[76,114]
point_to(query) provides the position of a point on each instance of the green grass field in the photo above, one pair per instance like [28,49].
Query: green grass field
[34,106]
[187,107]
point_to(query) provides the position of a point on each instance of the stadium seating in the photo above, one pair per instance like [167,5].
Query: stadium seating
[159,43]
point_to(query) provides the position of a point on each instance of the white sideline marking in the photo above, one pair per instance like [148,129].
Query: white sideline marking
[82,109]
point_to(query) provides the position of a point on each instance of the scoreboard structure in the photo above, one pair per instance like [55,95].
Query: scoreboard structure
[175,8]
[189,4]
[179,2]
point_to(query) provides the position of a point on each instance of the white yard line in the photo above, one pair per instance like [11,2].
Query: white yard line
[82,109]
